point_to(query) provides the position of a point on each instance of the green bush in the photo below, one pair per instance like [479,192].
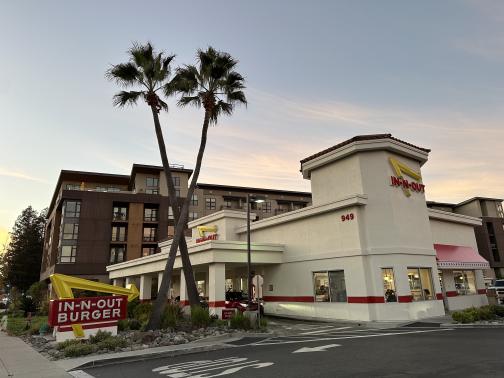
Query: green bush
[76,350]
[134,324]
[65,344]
[239,321]
[38,291]
[44,328]
[200,317]
[142,312]
[171,315]
[131,307]
[28,305]
[112,343]
[263,323]
[471,315]
[498,310]
[99,336]
[122,325]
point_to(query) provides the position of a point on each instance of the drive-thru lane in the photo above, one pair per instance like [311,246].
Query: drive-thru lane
[343,352]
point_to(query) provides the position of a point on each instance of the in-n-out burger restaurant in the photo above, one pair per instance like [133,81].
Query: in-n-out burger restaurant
[368,249]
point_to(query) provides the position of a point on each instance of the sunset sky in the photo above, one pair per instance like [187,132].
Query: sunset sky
[318,72]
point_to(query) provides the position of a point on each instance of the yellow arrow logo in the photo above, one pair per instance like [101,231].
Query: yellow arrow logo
[400,168]
[204,229]
[64,284]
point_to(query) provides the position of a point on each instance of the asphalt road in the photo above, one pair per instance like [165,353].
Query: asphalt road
[325,351]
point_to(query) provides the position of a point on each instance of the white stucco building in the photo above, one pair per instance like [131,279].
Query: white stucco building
[368,249]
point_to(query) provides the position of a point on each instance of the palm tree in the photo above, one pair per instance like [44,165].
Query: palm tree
[217,87]
[149,72]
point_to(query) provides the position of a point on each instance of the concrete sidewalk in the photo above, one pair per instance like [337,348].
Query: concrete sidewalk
[19,360]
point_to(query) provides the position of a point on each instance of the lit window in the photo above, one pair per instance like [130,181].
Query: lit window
[72,187]
[147,251]
[389,290]
[70,231]
[330,286]
[152,191]
[210,203]
[71,209]
[120,213]
[101,189]
[118,233]
[117,254]
[465,282]
[420,282]
[113,189]
[150,214]
[67,254]
[170,213]
[149,234]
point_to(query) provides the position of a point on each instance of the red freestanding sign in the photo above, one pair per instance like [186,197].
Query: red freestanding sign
[87,310]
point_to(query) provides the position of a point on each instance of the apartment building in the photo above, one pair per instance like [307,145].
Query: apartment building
[98,219]
[490,235]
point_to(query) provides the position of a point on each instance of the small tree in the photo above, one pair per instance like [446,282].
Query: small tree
[22,260]
[218,88]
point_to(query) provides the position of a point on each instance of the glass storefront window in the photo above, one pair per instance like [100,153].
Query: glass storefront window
[389,290]
[420,281]
[330,286]
[465,282]
[201,288]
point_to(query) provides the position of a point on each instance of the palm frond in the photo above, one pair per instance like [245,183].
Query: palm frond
[236,97]
[163,104]
[124,74]
[124,98]
[220,107]
[142,55]
[186,80]
[189,100]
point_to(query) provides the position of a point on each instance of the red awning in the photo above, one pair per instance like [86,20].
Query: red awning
[459,257]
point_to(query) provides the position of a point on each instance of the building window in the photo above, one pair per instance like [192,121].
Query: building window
[177,192]
[147,251]
[149,234]
[150,214]
[118,233]
[72,187]
[389,290]
[170,213]
[200,285]
[330,286]
[228,204]
[101,189]
[176,181]
[120,213]
[193,215]
[113,189]
[67,254]
[117,254]
[71,209]
[152,191]
[70,231]
[194,200]
[500,212]
[152,182]
[465,282]
[493,242]
[420,281]
[210,203]
[266,207]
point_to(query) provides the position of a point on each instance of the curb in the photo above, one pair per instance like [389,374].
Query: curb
[470,325]
[149,356]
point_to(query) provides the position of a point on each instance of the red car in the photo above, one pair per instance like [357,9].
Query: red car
[239,300]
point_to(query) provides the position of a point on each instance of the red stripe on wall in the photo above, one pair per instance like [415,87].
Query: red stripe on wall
[405,298]
[451,293]
[482,291]
[439,296]
[217,304]
[88,326]
[366,299]
[184,303]
[288,299]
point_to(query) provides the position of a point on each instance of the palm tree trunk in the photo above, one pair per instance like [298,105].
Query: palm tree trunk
[192,291]
[159,304]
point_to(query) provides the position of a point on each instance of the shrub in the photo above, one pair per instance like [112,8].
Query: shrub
[263,323]
[122,325]
[498,310]
[44,329]
[76,350]
[131,307]
[240,321]
[171,315]
[142,312]
[99,336]
[486,313]
[38,292]
[112,343]
[28,305]
[134,324]
[200,317]
[65,344]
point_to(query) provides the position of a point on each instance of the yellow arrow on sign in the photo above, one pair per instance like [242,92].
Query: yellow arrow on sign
[64,284]
[400,168]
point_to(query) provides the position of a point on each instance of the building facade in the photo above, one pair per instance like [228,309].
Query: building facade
[490,234]
[367,249]
[98,219]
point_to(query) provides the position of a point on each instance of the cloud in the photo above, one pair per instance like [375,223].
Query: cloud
[20,175]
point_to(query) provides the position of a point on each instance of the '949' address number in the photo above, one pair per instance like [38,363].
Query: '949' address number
[347,217]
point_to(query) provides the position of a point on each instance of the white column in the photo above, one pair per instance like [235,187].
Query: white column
[119,282]
[128,281]
[159,279]
[183,294]
[145,287]
[216,287]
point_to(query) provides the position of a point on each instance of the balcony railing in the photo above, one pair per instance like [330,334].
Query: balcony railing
[119,217]
[149,238]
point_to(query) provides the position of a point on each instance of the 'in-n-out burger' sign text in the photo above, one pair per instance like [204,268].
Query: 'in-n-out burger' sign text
[202,230]
[400,181]
[87,310]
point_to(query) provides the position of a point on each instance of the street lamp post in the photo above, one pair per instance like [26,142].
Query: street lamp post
[250,199]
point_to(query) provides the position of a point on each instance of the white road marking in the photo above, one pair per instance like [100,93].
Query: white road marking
[321,348]
[268,341]
[331,329]
[80,374]
[201,368]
